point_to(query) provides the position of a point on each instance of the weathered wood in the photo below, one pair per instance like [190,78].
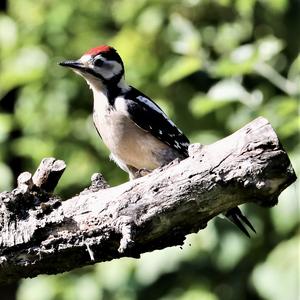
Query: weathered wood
[48,173]
[25,178]
[41,234]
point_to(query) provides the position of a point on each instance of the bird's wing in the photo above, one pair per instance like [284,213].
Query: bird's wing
[150,117]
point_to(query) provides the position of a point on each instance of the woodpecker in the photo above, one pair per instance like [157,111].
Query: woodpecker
[137,132]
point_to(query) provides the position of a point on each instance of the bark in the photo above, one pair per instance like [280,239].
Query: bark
[41,234]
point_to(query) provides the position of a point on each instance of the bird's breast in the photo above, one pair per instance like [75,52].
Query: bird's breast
[128,142]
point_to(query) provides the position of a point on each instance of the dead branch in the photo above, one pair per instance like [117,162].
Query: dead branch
[40,233]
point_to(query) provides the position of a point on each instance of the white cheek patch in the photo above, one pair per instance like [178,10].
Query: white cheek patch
[109,69]
[117,68]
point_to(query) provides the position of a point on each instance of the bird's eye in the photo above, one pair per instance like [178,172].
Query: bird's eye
[98,62]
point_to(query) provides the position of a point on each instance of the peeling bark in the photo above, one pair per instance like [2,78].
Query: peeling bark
[40,233]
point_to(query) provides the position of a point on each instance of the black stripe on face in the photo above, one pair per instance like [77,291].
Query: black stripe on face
[95,74]
[113,80]
[113,55]
[111,84]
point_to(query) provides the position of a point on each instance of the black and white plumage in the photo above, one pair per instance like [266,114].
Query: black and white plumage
[149,116]
[138,133]
[135,129]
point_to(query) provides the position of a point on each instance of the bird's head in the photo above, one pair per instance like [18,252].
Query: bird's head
[100,66]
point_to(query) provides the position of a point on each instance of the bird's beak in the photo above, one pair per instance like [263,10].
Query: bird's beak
[74,64]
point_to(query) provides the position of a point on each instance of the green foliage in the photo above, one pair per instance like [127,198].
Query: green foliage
[213,66]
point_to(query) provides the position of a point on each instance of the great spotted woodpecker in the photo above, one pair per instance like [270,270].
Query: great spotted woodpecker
[138,133]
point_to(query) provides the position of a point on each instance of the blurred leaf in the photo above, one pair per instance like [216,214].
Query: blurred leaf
[152,266]
[227,90]
[245,8]
[278,277]
[197,293]
[6,177]
[33,147]
[128,8]
[151,20]
[291,127]
[233,33]
[294,71]
[8,34]
[86,288]
[243,54]
[35,105]
[233,248]
[226,68]
[116,274]
[240,117]
[276,5]
[78,173]
[285,215]
[268,47]
[240,61]
[201,105]
[205,137]
[28,65]
[183,36]
[178,68]
[139,60]
[38,288]
[244,59]
[5,126]
[282,113]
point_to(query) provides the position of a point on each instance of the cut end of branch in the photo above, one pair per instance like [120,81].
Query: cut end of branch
[48,173]
[25,179]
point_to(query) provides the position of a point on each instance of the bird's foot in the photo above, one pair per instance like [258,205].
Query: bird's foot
[141,173]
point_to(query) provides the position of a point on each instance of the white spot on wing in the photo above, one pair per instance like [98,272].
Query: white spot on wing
[176,144]
[178,129]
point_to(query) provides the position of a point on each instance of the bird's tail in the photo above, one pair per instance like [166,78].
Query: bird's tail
[236,217]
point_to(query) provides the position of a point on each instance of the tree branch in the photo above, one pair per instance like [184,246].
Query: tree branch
[42,234]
